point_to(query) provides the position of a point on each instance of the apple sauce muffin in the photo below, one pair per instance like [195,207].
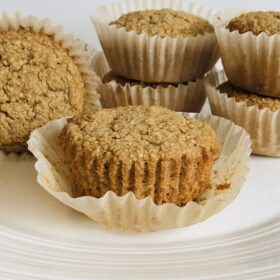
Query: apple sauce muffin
[39,81]
[256,22]
[251,99]
[153,152]
[164,22]
[155,44]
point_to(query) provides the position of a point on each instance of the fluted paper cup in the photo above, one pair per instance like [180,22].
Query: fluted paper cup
[130,214]
[77,49]
[262,124]
[189,97]
[152,58]
[250,61]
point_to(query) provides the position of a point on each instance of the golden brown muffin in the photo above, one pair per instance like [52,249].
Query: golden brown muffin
[39,81]
[256,22]
[242,95]
[111,76]
[164,22]
[153,152]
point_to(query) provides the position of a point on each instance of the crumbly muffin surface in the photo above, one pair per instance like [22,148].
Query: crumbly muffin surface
[39,81]
[256,22]
[164,22]
[242,95]
[111,76]
[153,152]
[137,133]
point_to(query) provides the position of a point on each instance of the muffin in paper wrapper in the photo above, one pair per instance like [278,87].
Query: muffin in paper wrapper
[250,61]
[188,97]
[126,212]
[262,124]
[153,58]
[77,49]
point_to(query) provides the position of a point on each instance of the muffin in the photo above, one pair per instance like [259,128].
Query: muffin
[259,115]
[118,91]
[249,50]
[40,78]
[152,152]
[126,212]
[157,44]
[164,22]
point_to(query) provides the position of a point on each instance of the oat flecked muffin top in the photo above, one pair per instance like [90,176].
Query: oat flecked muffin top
[138,133]
[151,151]
[39,82]
[256,22]
[164,22]
[241,95]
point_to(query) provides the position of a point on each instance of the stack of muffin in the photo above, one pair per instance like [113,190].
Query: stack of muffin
[157,57]
[249,48]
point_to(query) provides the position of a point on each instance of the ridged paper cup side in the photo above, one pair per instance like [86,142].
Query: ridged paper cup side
[126,212]
[250,61]
[263,125]
[77,49]
[188,97]
[152,58]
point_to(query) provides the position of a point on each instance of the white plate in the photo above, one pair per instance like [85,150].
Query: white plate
[41,238]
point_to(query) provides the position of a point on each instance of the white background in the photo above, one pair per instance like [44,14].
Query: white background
[37,213]
[74,14]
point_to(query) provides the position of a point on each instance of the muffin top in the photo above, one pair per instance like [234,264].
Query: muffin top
[111,76]
[138,133]
[256,22]
[241,95]
[164,22]
[39,81]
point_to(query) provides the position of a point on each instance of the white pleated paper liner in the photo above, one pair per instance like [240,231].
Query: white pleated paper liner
[250,61]
[262,124]
[126,212]
[152,58]
[77,49]
[188,97]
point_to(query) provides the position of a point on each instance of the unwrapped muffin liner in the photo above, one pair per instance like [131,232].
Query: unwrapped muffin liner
[152,58]
[126,212]
[250,61]
[78,50]
[262,124]
[188,97]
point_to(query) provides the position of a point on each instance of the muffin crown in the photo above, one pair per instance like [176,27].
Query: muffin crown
[164,22]
[111,76]
[138,133]
[251,99]
[256,22]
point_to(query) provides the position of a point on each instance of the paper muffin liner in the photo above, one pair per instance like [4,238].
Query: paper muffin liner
[188,97]
[78,50]
[152,58]
[250,61]
[126,212]
[262,124]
